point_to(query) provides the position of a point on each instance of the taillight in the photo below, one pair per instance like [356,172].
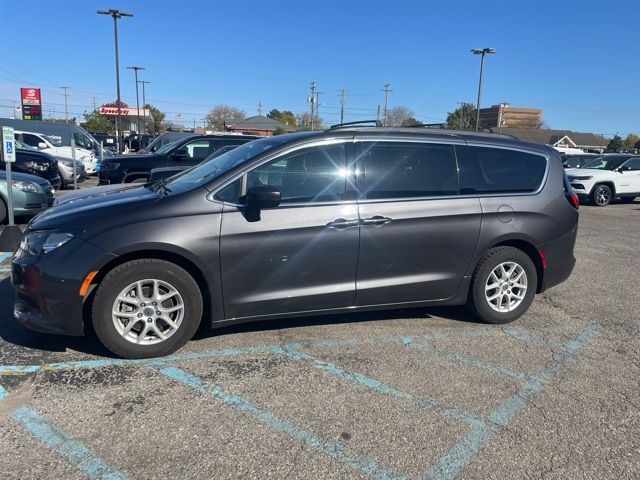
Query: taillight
[543,258]
[573,200]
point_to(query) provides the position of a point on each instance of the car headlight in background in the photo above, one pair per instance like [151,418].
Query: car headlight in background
[37,166]
[109,166]
[25,186]
[43,242]
[580,178]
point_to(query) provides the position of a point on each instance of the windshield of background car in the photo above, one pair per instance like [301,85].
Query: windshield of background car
[605,163]
[24,146]
[82,140]
[165,149]
[54,140]
[218,166]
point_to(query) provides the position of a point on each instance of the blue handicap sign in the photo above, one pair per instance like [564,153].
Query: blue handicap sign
[9,147]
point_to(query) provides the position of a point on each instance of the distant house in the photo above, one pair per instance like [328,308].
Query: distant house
[560,138]
[260,125]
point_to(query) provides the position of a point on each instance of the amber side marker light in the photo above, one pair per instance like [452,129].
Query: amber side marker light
[86,283]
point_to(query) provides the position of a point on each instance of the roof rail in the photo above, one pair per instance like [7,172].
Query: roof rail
[428,125]
[373,123]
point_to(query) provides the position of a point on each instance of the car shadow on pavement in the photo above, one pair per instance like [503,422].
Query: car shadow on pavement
[14,333]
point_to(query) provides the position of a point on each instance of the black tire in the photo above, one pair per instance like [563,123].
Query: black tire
[627,199]
[3,211]
[478,304]
[127,273]
[601,195]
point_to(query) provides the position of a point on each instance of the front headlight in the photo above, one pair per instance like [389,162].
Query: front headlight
[67,163]
[109,166]
[24,186]
[43,242]
[581,178]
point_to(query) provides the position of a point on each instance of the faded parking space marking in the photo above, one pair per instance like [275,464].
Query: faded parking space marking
[446,464]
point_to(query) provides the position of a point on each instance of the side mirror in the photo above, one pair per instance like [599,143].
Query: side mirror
[42,145]
[263,196]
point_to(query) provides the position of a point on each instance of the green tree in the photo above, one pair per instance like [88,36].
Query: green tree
[410,122]
[615,144]
[95,122]
[287,117]
[157,118]
[463,117]
[279,131]
[223,115]
[631,140]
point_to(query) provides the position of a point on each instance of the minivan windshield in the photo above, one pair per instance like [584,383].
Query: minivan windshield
[215,167]
[605,163]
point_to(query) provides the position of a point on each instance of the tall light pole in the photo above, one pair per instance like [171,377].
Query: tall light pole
[116,14]
[135,69]
[144,101]
[482,52]
[66,112]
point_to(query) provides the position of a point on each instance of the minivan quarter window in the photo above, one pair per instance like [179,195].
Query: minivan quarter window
[397,169]
[499,170]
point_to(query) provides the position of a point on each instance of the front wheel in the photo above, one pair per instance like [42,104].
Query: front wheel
[601,195]
[146,308]
[503,285]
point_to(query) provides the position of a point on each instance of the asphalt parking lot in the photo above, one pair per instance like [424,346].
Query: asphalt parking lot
[427,393]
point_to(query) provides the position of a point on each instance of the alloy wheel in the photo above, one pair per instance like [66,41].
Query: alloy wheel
[602,195]
[506,287]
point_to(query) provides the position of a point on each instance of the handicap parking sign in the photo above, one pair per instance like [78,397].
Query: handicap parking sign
[8,145]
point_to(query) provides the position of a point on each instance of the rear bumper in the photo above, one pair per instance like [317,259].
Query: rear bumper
[554,275]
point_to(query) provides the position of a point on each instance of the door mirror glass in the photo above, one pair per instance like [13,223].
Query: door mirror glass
[42,145]
[262,196]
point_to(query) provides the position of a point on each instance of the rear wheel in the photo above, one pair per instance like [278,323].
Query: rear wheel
[146,308]
[503,285]
[601,195]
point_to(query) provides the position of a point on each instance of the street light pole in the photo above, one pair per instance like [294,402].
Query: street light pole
[482,52]
[135,69]
[144,102]
[116,14]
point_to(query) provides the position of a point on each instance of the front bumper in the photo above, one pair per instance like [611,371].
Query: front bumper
[47,286]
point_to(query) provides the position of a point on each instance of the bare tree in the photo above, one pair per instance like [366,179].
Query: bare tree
[303,121]
[223,115]
[399,117]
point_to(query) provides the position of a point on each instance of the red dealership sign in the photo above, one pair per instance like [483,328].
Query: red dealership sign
[31,104]
[125,111]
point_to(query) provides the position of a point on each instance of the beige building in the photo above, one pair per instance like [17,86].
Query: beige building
[507,116]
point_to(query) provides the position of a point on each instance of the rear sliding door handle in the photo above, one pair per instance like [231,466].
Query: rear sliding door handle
[376,220]
[340,223]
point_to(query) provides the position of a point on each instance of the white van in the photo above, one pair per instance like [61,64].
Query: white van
[54,146]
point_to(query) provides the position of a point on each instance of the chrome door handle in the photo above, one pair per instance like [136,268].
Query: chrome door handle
[376,220]
[340,223]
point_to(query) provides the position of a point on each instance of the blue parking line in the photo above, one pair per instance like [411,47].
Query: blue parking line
[380,387]
[60,441]
[336,451]
[465,360]
[448,466]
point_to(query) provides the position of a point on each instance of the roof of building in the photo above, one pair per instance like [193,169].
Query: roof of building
[550,137]
[260,122]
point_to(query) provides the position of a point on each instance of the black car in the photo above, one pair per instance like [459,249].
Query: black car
[307,223]
[578,160]
[166,172]
[37,163]
[183,153]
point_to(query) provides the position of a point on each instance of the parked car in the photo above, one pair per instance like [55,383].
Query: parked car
[31,194]
[182,153]
[138,142]
[577,161]
[166,172]
[307,223]
[607,177]
[68,172]
[37,163]
[54,147]
[165,139]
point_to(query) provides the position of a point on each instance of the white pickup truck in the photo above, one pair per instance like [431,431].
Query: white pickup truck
[50,145]
[607,177]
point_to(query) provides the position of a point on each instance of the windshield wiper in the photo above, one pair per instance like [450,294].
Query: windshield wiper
[159,185]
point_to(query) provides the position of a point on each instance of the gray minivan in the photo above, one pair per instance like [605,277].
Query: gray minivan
[346,219]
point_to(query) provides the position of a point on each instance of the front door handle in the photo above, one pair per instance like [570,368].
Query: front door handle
[340,223]
[376,220]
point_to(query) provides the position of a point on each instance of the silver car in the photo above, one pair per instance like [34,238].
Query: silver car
[31,195]
[67,172]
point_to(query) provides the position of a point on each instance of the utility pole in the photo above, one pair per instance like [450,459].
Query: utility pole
[135,69]
[66,112]
[116,14]
[386,91]
[317,104]
[342,93]
[312,99]
[144,103]
[461,125]
[94,103]
[260,107]
[378,114]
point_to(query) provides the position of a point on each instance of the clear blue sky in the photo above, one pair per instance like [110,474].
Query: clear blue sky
[577,60]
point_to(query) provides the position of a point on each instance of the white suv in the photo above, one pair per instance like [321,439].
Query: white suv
[57,149]
[607,177]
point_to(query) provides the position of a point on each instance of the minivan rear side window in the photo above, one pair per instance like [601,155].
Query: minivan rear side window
[499,170]
[407,169]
